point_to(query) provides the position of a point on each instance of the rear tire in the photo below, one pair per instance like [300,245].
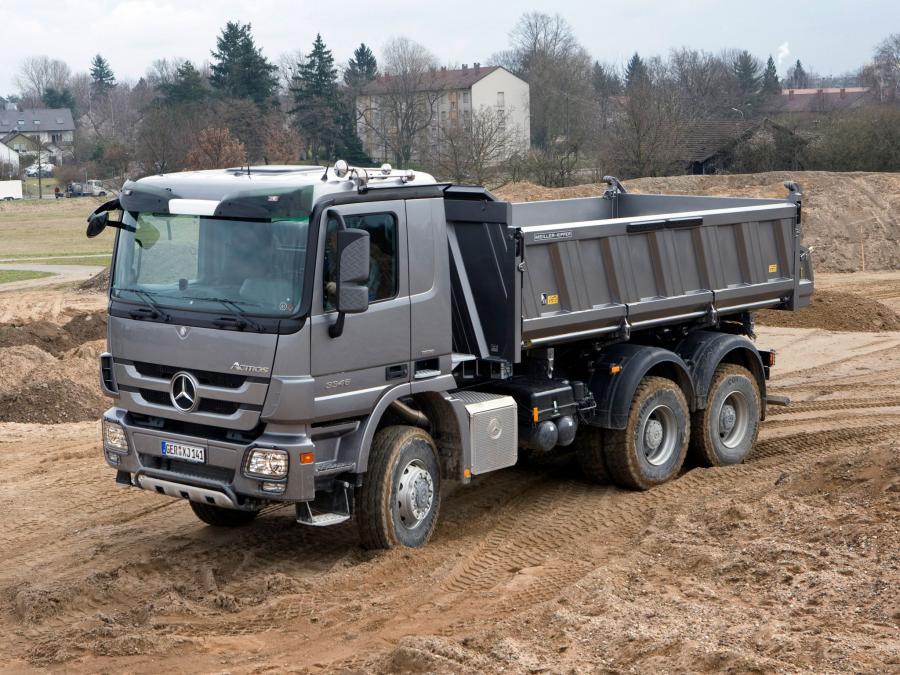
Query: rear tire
[400,497]
[221,517]
[725,431]
[652,447]
[590,453]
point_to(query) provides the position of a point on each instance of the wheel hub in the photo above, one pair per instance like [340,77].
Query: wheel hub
[654,434]
[415,494]
[727,419]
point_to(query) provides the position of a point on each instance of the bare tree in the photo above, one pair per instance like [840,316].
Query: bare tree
[402,104]
[647,132]
[883,73]
[39,73]
[215,149]
[546,54]
[473,150]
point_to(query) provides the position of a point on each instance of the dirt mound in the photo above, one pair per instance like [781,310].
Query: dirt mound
[835,310]
[18,363]
[99,283]
[52,401]
[52,337]
[48,372]
[851,219]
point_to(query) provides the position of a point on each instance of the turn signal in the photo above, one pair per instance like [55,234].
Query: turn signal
[613,370]
[307,457]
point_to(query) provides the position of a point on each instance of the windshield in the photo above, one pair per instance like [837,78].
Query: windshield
[252,267]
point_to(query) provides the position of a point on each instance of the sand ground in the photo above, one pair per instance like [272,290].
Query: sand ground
[790,562]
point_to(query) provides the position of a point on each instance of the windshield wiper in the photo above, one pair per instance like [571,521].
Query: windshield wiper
[148,300]
[243,319]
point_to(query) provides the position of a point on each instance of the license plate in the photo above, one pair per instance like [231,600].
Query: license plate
[188,453]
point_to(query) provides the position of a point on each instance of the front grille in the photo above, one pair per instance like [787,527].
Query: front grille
[206,405]
[186,469]
[204,377]
[183,428]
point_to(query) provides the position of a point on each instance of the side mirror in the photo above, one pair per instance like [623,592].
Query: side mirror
[97,223]
[99,219]
[353,271]
[352,275]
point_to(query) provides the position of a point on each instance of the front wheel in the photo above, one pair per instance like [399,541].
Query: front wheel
[218,516]
[400,497]
[726,429]
[651,448]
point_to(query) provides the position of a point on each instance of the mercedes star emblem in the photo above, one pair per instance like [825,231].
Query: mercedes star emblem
[183,392]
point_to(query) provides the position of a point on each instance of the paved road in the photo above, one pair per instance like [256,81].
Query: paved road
[61,274]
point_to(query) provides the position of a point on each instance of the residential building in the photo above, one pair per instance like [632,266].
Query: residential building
[820,100]
[52,128]
[720,146]
[452,96]
[9,160]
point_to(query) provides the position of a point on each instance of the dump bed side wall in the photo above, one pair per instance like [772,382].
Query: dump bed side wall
[672,259]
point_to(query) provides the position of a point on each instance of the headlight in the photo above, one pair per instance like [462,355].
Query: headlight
[114,436]
[267,463]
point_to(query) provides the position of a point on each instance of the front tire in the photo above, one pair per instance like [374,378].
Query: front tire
[400,497]
[725,431]
[652,447]
[221,517]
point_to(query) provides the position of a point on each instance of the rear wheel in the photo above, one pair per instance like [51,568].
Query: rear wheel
[221,517]
[651,448]
[399,501]
[725,431]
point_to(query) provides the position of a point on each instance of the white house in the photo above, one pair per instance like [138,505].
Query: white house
[460,92]
[9,159]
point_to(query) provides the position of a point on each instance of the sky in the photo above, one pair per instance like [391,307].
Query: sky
[828,36]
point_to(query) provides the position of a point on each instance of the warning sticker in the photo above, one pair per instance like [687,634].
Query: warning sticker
[773,269]
[549,299]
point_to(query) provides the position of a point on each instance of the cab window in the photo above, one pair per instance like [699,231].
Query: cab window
[383,263]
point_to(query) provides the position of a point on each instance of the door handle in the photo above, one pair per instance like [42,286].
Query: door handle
[397,371]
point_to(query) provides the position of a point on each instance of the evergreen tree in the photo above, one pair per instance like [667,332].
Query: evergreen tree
[797,77]
[605,80]
[240,70]
[362,68]
[770,83]
[746,69]
[102,77]
[186,87]
[59,98]
[636,71]
[315,92]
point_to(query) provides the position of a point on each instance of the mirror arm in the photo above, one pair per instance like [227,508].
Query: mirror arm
[336,329]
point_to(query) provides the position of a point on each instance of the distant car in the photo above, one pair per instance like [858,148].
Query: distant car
[43,171]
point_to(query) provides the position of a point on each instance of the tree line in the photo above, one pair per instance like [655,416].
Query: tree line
[241,107]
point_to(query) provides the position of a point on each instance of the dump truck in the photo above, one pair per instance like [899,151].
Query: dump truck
[347,340]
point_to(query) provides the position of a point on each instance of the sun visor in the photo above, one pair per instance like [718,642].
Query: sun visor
[145,198]
[267,204]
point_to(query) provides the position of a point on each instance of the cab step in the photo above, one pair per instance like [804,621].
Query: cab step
[328,508]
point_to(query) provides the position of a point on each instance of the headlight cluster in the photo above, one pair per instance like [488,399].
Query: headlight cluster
[114,437]
[267,463]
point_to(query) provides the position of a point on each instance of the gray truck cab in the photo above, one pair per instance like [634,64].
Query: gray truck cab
[344,339]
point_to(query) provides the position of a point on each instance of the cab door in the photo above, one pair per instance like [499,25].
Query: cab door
[373,353]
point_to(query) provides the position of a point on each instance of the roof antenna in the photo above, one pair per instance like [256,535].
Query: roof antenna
[325,175]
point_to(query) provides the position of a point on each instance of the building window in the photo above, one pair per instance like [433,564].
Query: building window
[453,106]
[501,99]
[465,98]
[56,139]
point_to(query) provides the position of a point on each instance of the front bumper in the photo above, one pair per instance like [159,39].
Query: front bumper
[221,474]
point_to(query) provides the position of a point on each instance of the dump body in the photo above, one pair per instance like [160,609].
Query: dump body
[583,268]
